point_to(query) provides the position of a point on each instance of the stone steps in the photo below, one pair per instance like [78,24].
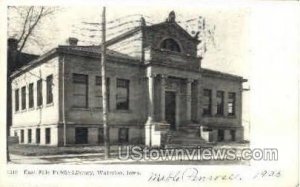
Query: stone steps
[185,141]
[185,136]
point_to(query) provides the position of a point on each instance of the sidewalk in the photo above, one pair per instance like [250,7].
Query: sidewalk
[36,150]
[67,156]
[89,158]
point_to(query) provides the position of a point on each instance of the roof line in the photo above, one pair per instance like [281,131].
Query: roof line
[33,62]
[225,75]
[122,36]
[177,25]
[62,49]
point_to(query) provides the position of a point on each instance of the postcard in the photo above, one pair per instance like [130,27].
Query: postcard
[160,93]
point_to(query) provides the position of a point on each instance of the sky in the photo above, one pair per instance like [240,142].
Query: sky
[272,49]
[229,53]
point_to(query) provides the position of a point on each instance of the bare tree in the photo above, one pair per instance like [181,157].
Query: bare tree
[24,21]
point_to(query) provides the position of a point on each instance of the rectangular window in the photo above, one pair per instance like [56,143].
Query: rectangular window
[122,94]
[29,135]
[207,102]
[17,100]
[49,81]
[80,90]
[38,135]
[123,135]
[232,133]
[81,135]
[30,94]
[220,135]
[100,135]
[39,91]
[231,104]
[48,135]
[23,90]
[98,93]
[220,102]
[22,136]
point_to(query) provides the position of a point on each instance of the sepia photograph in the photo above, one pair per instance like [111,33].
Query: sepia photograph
[160,96]
[153,93]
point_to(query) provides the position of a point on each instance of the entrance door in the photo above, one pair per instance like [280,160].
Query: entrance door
[170,109]
[81,135]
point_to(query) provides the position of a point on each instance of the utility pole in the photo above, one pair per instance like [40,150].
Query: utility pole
[104,94]
[63,101]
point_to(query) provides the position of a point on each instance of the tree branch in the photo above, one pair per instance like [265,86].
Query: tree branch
[25,24]
[31,28]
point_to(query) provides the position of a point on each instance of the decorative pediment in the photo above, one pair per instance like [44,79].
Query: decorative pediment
[170,36]
[173,27]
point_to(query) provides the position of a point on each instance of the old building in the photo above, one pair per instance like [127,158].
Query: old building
[15,60]
[157,92]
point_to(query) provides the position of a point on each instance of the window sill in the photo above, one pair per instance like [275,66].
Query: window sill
[219,116]
[122,111]
[39,107]
[206,115]
[231,116]
[99,109]
[50,104]
[22,111]
[96,108]
[31,109]
[170,51]
[88,109]
[80,109]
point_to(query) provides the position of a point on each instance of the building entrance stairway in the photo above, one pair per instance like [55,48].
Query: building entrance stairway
[188,135]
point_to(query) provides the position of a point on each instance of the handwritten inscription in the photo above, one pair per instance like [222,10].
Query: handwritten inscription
[267,174]
[193,175]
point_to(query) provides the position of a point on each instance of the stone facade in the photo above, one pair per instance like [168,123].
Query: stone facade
[163,92]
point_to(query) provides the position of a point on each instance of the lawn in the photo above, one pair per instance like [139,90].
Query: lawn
[34,150]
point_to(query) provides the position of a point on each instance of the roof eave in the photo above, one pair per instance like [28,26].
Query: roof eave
[33,62]
[228,76]
[176,24]
[63,50]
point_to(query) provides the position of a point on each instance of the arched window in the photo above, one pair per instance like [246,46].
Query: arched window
[170,45]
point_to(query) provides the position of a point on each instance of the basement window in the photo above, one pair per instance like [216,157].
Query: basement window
[123,135]
[38,135]
[233,136]
[22,136]
[220,135]
[29,135]
[48,135]
[100,135]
